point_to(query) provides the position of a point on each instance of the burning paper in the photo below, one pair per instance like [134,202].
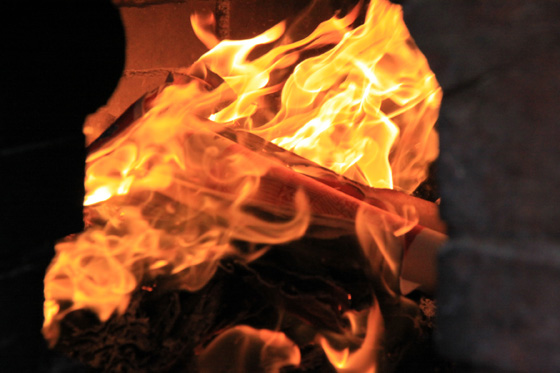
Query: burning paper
[175,190]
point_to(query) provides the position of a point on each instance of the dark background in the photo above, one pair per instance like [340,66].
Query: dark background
[62,60]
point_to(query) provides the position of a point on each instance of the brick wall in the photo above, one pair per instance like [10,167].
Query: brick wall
[160,40]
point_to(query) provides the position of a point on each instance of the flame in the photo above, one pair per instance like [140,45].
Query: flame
[168,196]
[380,239]
[365,109]
[365,330]
[244,349]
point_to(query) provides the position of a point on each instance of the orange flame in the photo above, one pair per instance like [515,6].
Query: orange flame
[244,349]
[168,196]
[365,329]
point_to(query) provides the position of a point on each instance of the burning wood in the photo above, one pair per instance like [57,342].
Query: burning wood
[189,193]
[330,195]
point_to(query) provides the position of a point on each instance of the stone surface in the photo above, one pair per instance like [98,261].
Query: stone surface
[464,39]
[500,158]
[499,126]
[499,175]
[500,305]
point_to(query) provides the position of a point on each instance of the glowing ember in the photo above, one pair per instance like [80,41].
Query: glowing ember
[169,196]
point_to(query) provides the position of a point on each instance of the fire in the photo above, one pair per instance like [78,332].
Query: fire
[365,329]
[245,349]
[168,196]
[365,108]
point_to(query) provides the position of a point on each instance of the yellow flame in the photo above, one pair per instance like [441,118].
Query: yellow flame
[365,109]
[169,196]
